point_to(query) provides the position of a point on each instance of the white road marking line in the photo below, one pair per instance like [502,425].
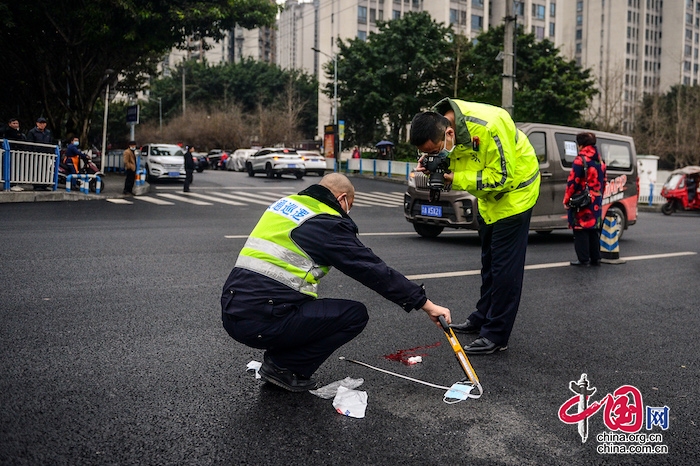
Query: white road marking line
[543,266]
[183,199]
[242,197]
[213,198]
[118,200]
[154,200]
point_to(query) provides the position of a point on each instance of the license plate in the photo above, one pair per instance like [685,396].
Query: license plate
[292,165]
[173,174]
[431,210]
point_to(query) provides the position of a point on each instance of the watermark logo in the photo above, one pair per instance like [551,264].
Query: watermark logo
[623,415]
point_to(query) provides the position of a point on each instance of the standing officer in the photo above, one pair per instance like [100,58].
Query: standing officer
[494,161]
[270,300]
[189,168]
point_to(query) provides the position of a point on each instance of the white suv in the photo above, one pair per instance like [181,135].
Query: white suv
[163,161]
[275,161]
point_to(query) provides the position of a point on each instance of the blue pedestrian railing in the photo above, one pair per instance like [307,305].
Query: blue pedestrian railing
[29,163]
[376,166]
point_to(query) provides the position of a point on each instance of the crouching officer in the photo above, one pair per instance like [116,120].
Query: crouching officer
[270,299]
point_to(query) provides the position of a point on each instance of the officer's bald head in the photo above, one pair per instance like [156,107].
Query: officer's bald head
[338,184]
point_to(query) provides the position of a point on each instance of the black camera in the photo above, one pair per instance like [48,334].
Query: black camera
[437,165]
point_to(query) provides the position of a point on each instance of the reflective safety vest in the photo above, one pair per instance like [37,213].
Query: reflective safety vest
[271,251]
[493,160]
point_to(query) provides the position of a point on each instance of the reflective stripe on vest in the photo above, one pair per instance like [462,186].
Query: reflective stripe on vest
[270,250]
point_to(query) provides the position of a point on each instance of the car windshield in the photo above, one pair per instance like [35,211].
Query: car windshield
[673,181]
[166,151]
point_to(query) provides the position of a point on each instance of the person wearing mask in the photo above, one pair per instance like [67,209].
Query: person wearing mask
[587,170]
[129,156]
[493,160]
[270,299]
[189,167]
[73,156]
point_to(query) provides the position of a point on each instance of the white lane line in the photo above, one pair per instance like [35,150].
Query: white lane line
[552,265]
[154,200]
[246,198]
[396,233]
[213,198]
[118,200]
[183,199]
[386,197]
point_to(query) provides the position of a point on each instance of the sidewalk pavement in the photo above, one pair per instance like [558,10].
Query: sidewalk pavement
[113,186]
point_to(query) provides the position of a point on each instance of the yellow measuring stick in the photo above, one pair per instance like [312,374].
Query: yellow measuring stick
[459,352]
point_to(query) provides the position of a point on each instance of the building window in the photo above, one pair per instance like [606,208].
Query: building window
[579,34]
[478,3]
[688,50]
[689,18]
[579,6]
[538,11]
[396,14]
[519,8]
[579,20]
[453,16]
[477,22]
[362,35]
[372,15]
[686,66]
[551,29]
[552,10]
[578,47]
[538,31]
[362,14]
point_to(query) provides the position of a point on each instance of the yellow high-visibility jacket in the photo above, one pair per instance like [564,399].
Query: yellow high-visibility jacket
[493,160]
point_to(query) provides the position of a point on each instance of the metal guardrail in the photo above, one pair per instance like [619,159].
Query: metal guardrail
[375,166]
[29,163]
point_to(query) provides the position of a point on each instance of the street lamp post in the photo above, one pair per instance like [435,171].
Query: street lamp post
[335,105]
[104,122]
[160,114]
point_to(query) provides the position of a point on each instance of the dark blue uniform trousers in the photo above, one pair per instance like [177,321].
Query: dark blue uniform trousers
[503,247]
[305,337]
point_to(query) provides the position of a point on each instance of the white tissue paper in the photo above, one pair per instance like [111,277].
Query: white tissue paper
[329,391]
[254,366]
[350,402]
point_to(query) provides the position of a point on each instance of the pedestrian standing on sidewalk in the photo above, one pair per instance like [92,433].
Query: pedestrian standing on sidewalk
[189,167]
[130,167]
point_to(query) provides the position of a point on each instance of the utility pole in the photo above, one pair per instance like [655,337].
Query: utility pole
[508,58]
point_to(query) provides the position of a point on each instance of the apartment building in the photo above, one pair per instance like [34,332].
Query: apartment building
[307,24]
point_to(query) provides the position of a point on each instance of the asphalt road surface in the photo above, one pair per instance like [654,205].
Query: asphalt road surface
[113,351]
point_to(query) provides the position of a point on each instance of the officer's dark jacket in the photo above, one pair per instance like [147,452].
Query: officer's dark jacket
[329,240]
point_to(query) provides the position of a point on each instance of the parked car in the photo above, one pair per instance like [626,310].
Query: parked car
[201,161]
[276,161]
[163,161]
[238,159]
[217,159]
[313,161]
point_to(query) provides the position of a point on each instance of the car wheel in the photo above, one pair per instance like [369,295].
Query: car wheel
[150,178]
[200,170]
[321,172]
[299,175]
[428,231]
[249,167]
[93,185]
[268,171]
[619,216]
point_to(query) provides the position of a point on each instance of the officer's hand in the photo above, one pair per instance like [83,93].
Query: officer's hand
[420,167]
[434,311]
[449,177]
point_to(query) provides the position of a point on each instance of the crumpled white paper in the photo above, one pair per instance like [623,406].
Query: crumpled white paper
[350,402]
[329,391]
[254,366]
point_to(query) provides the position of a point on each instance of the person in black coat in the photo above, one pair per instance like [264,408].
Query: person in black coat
[189,167]
[40,133]
[12,131]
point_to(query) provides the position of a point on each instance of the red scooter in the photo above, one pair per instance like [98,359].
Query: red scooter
[681,190]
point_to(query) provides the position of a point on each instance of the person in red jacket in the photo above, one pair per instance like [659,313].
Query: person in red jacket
[587,170]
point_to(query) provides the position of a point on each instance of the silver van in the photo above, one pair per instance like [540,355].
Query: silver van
[556,149]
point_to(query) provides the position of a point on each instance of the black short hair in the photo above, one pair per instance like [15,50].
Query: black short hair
[585,139]
[428,126]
